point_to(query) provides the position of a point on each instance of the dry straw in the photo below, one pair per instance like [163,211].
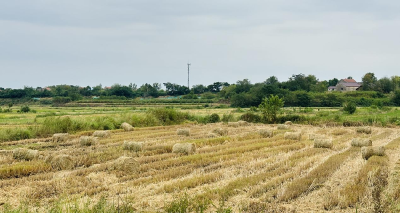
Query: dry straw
[87,140]
[266,133]
[25,154]
[368,152]
[364,129]
[101,134]
[185,132]
[62,162]
[288,123]
[60,137]
[233,124]
[323,143]
[126,164]
[133,146]
[212,135]
[315,136]
[243,123]
[359,142]
[184,148]
[292,135]
[220,131]
[126,126]
[282,126]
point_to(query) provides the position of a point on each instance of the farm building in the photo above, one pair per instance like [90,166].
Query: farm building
[345,85]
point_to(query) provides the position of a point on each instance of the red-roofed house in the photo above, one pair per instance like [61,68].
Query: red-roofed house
[346,85]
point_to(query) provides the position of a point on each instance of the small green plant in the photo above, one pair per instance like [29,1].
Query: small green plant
[25,109]
[227,118]
[349,107]
[270,107]
[214,118]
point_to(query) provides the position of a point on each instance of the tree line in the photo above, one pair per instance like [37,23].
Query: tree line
[298,90]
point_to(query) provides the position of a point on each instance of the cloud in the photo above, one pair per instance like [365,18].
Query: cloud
[103,41]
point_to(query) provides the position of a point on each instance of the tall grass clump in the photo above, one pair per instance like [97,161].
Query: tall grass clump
[168,116]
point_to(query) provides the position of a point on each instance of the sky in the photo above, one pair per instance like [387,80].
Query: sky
[92,42]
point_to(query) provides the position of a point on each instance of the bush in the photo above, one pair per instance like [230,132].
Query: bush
[214,118]
[349,107]
[250,117]
[25,109]
[228,118]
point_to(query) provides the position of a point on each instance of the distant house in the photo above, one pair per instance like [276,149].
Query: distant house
[345,85]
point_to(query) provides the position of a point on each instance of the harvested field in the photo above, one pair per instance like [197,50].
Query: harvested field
[251,168]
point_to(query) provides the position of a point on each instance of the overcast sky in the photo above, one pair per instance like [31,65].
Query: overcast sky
[91,42]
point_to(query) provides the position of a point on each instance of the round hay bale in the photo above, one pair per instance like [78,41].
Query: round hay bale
[212,135]
[126,126]
[288,123]
[360,142]
[185,132]
[233,124]
[266,133]
[25,154]
[323,143]
[243,123]
[184,148]
[87,140]
[220,131]
[133,146]
[60,137]
[368,152]
[101,134]
[282,126]
[292,135]
[364,129]
[315,136]
[62,162]
[126,164]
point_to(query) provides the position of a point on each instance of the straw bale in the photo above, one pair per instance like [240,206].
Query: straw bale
[266,133]
[133,146]
[364,129]
[282,126]
[315,136]
[126,164]
[292,135]
[368,152]
[220,131]
[184,148]
[126,126]
[185,132]
[62,162]
[60,137]
[212,135]
[288,123]
[323,143]
[243,123]
[87,140]
[233,124]
[25,154]
[359,142]
[101,134]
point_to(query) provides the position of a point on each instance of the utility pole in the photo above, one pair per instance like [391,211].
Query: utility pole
[188,75]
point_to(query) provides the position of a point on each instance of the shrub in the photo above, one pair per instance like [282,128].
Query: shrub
[270,108]
[227,117]
[250,117]
[214,118]
[349,107]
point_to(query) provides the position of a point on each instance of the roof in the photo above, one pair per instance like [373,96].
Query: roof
[332,87]
[355,84]
[349,80]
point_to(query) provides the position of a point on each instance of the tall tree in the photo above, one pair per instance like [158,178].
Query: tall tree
[369,81]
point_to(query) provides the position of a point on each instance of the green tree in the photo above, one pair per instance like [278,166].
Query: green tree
[369,81]
[349,107]
[270,108]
